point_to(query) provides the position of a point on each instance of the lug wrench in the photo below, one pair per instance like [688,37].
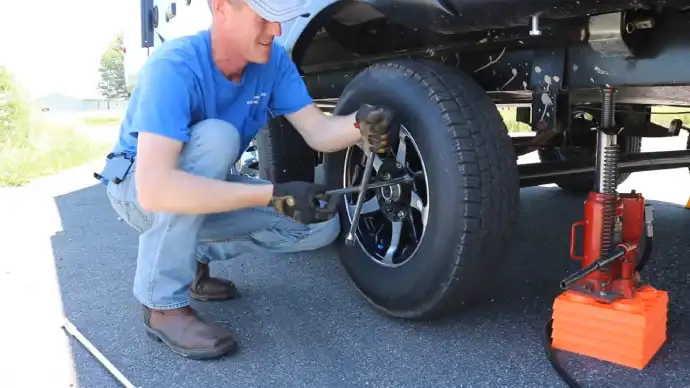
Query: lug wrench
[350,239]
[72,330]
[375,185]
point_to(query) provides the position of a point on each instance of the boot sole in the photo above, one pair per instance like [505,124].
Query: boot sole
[198,354]
[212,298]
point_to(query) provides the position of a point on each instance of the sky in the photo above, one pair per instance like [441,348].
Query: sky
[54,46]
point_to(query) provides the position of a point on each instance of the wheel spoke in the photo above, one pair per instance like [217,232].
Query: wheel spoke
[377,159]
[402,150]
[377,163]
[369,206]
[374,226]
[416,202]
[396,231]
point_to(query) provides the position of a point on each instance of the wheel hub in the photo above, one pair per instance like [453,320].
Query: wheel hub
[390,193]
[393,200]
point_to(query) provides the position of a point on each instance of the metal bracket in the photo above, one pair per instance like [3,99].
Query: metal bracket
[649,220]
[610,34]
[550,107]
[605,35]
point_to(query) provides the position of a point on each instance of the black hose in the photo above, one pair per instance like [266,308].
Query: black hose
[548,329]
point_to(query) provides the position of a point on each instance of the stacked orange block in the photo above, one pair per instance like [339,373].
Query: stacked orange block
[627,332]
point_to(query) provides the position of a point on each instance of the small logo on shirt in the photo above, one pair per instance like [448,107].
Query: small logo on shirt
[256,99]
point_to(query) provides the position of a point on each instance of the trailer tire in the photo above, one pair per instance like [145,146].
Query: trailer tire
[473,181]
[284,156]
[627,145]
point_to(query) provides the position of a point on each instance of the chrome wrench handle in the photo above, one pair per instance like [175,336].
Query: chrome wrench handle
[350,239]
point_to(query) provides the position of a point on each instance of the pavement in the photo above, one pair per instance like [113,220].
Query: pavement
[300,322]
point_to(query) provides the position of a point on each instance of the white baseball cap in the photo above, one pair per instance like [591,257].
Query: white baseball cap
[279,11]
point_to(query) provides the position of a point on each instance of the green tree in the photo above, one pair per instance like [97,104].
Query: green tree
[13,111]
[112,84]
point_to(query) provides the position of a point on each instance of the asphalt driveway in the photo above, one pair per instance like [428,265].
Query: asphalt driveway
[300,323]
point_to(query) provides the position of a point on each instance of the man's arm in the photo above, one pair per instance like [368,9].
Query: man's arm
[322,132]
[163,128]
[162,187]
[290,98]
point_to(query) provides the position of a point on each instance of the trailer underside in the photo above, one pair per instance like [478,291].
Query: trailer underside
[569,62]
[549,70]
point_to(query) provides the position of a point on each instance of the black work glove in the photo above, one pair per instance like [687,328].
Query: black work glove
[378,128]
[300,201]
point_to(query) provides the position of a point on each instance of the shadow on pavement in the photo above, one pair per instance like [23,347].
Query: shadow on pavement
[300,323]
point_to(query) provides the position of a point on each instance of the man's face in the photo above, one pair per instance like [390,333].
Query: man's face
[244,30]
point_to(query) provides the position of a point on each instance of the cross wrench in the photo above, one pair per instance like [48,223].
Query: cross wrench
[350,239]
[375,185]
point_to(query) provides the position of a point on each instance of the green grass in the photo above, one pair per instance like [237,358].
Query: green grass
[44,148]
[663,118]
[660,115]
[102,120]
[509,118]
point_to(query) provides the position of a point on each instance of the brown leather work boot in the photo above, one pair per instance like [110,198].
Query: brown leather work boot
[187,335]
[206,288]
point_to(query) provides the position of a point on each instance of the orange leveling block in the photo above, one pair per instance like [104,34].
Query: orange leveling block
[605,311]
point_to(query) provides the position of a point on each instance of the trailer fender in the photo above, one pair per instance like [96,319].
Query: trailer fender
[297,30]
[298,33]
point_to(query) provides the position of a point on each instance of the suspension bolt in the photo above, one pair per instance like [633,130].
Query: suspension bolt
[401,214]
[386,176]
[675,126]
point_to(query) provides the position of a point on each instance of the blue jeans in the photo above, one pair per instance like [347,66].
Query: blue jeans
[171,244]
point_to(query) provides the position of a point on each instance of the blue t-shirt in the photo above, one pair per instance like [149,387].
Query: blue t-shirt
[180,85]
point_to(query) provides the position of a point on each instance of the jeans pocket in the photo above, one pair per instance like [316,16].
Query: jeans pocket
[119,206]
[136,217]
[126,207]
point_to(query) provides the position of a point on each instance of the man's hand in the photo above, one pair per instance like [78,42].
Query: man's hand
[299,201]
[377,127]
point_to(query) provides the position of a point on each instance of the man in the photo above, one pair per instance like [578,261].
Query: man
[199,101]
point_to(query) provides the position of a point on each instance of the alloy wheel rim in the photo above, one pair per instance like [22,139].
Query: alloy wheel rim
[390,243]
